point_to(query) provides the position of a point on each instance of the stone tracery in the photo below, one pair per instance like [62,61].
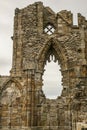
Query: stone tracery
[29,109]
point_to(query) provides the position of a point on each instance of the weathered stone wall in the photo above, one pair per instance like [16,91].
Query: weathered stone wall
[38,34]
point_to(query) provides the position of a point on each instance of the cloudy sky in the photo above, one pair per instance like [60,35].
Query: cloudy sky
[7,8]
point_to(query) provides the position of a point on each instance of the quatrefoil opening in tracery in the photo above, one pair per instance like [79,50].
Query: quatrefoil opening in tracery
[49,29]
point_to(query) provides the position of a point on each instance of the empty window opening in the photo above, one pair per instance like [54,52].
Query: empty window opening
[75,19]
[52,80]
[49,29]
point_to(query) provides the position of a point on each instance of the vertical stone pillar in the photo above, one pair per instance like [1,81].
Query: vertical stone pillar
[40,17]
[30,98]
[17,45]
[15,40]
[83,43]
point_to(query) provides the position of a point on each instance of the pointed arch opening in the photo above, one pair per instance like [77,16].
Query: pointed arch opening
[53,51]
[52,76]
[52,80]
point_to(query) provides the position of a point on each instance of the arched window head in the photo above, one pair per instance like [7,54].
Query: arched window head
[49,29]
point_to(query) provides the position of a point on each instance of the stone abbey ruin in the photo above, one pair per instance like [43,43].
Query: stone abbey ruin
[38,34]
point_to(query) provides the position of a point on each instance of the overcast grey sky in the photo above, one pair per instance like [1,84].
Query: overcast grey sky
[7,8]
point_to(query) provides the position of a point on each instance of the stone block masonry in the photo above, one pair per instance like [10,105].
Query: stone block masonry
[38,34]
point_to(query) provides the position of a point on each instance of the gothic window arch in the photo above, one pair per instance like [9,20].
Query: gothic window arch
[52,50]
[10,99]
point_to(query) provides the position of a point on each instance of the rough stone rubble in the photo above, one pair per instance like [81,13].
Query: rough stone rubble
[39,33]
